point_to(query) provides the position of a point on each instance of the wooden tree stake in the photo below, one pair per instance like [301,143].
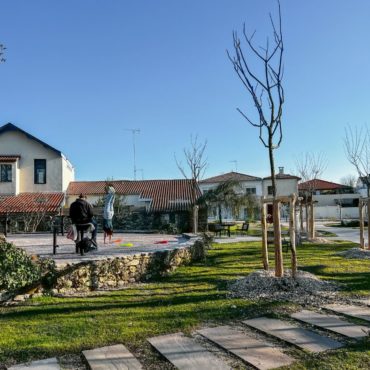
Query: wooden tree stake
[279,266]
[292,235]
[361,211]
[265,256]
[368,223]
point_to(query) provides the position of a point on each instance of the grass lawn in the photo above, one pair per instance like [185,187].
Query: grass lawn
[192,296]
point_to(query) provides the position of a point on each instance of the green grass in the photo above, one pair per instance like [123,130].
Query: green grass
[192,296]
[325,233]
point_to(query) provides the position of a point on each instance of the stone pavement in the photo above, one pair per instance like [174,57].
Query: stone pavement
[42,245]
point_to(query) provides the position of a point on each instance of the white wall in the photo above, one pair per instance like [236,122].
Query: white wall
[17,143]
[68,173]
[330,199]
[284,187]
[335,212]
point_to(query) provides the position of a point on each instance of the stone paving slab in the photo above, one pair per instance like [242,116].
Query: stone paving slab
[257,353]
[359,312]
[300,337]
[185,354]
[332,323]
[116,357]
[47,364]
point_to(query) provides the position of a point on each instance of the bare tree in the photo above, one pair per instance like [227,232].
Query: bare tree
[2,51]
[357,149]
[267,96]
[349,180]
[194,169]
[310,167]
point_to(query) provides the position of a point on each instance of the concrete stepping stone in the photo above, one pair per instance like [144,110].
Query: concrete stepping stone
[300,337]
[186,354]
[47,364]
[359,312]
[255,352]
[332,323]
[116,357]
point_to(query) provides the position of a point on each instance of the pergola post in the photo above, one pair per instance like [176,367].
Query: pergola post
[279,266]
[265,256]
[292,235]
[361,214]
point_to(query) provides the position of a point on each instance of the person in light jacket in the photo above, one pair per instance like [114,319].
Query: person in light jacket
[108,212]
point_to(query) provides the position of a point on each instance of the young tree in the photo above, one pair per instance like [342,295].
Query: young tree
[349,180]
[267,96]
[194,169]
[357,149]
[310,167]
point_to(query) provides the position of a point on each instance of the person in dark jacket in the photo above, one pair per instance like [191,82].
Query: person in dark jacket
[81,212]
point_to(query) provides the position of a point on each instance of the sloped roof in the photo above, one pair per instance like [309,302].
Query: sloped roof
[9,158]
[32,202]
[283,176]
[320,185]
[10,127]
[164,195]
[230,176]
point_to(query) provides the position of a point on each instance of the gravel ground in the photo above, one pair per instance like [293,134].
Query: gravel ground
[305,289]
[358,253]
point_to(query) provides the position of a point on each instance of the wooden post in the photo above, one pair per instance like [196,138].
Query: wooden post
[292,235]
[195,219]
[265,255]
[301,216]
[361,211]
[312,221]
[368,223]
[279,265]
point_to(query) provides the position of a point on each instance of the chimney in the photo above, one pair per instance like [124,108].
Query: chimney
[281,170]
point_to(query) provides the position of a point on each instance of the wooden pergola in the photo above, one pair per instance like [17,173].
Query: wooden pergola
[362,204]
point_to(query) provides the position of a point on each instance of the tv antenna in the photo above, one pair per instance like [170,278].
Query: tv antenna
[134,132]
[236,164]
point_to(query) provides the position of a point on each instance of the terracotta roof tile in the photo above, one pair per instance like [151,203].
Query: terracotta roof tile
[31,202]
[164,195]
[9,158]
[320,185]
[230,176]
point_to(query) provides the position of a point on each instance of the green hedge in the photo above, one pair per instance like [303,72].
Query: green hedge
[16,268]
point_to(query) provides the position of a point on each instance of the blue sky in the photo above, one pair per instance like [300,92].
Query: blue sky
[78,73]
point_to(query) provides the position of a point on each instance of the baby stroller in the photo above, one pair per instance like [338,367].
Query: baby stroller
[84,242]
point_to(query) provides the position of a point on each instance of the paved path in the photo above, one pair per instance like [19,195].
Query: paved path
[343,233]
[260,354]
[116,357]
[332,323]
[300,337]
[41,244]
[186,354]
[47,364]
[358,312]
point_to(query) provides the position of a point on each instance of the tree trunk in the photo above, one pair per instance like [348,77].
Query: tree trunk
[292,236]
[307,218]
[265,256]
[361,211]
[219,213]
[279,266]
[312,221]
[368,224]
[301,216]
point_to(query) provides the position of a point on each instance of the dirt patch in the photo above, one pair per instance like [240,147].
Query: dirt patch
[306,288]
[358,253]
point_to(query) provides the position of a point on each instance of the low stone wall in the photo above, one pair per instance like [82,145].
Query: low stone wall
[119,272]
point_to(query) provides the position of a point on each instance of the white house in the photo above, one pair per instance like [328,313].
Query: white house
[332,200]
[29,165]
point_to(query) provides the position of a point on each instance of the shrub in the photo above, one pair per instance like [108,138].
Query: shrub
[16,268]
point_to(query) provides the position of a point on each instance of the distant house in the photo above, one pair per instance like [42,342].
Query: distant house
[29,165]
[332,200]
[33,175]
[251,185]
[168,201]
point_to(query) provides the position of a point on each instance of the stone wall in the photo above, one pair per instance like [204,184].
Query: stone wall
[119,272]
